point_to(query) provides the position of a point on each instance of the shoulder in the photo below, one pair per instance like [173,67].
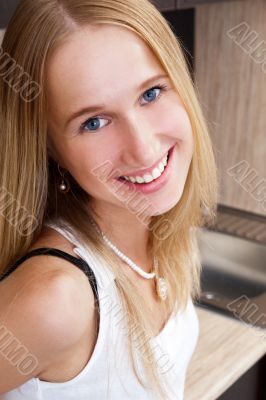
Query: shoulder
[42,324]
[40,302]
[45,307]
[39,268]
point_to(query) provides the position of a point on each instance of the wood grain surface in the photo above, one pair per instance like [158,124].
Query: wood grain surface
[226,349]
[231,84]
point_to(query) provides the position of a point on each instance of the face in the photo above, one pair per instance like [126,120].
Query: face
[133,131]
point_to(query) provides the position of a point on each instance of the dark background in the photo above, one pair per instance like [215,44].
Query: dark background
[7,7]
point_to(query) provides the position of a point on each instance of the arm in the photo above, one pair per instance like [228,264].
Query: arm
[42,323]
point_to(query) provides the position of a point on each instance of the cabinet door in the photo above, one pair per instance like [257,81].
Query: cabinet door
[230,64]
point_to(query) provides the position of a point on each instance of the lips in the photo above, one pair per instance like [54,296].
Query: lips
[145,171]
[156,184]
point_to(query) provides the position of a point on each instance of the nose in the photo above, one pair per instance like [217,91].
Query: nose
[140,146]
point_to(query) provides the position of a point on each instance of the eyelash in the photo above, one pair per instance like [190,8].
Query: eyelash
[162,87]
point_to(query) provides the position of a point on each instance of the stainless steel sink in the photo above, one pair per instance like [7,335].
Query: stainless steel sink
[233,277]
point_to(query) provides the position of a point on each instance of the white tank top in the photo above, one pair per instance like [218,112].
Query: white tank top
[108,375]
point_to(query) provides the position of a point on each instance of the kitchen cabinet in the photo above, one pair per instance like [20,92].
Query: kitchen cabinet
[230,73]
[225,47]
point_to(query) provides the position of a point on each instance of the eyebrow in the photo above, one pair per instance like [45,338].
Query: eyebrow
[101,107]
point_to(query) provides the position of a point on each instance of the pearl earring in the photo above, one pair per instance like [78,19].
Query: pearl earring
[64,185]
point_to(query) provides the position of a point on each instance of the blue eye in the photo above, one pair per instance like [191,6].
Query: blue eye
[151,93]
[94,121]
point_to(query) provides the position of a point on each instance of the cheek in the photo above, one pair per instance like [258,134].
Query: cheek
[173,120]
[89,166]
[181,130]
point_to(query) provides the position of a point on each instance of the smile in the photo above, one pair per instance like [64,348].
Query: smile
[146,178]
[150,183]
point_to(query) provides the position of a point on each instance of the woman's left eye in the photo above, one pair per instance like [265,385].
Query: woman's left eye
[151,90]
[94,121]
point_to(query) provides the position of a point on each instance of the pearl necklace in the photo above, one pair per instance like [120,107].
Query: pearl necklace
[161,283]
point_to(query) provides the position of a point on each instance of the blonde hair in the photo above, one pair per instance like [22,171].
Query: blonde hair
[29,175]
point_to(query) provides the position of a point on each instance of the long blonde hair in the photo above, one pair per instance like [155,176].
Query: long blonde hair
[29,175]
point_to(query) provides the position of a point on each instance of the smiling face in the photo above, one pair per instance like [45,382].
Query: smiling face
[138,123]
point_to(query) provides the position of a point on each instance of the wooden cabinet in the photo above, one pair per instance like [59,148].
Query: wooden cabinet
[230,73]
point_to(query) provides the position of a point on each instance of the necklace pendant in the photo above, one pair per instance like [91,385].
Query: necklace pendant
[162,288]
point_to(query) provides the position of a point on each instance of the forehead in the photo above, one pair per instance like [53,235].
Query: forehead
[101,60]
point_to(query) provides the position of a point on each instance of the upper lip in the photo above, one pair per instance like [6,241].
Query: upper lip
[146,170]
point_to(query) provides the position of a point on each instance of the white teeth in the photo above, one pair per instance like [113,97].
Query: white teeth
[156,172]
[161,167]
[164,161]
[139,179]
[148,178]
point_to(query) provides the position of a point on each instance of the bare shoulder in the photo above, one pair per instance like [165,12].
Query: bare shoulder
[37,269]
[39,303]
[48,284]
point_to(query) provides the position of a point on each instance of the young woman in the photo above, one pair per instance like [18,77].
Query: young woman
[107,171]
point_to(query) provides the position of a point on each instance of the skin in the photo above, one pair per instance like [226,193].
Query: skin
[106,64]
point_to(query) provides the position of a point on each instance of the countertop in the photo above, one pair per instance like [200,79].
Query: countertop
[226,349]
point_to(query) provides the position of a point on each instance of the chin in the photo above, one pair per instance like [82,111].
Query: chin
[162,207]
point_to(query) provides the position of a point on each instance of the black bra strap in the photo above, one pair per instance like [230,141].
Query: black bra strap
[59,253]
